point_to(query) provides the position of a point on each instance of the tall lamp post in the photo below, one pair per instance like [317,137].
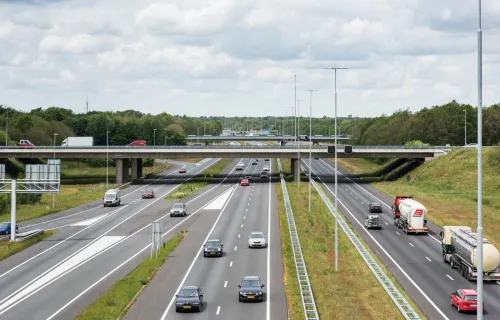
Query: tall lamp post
[480,165]
[6,127]
[165,136]
[465,127]
[298,141]
[336,198]
[310,143]
[54,195]
[107,159]
[154,137]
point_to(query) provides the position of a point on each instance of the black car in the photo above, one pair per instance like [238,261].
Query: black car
[248,177]
[254,162]
[375,207]
[213,248]
[251,289]
[189,298]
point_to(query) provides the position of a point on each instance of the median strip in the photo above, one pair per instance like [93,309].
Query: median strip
[115,303]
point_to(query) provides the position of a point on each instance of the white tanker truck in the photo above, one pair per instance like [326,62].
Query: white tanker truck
[459,245]
[411,216]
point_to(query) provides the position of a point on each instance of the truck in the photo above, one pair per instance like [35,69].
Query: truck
[78,142]
[459,247]
[26,144]
[410,215]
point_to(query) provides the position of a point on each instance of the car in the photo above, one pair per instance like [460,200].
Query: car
[248,177]
[240,166]
[254,162]
[373,221]
[264,175]
[137,143]
[266,159]
[148,193]
[188,299]
[465,300]
[251,289]
[183,170]
[257,240]
[5,228]
[26,144]
[244,182]
[178,210]
[213,248]
[265,169]
[375,207]
[316,158]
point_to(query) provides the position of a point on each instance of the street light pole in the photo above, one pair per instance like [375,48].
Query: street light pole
[165,136]
[154,137]
[336,198]
[310,143]
[480,165]
[7,126]
[465,127]
[298,145]
[54,195]
[107,159]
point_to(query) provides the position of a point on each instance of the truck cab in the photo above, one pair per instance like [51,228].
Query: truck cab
[112,198]
[26,144]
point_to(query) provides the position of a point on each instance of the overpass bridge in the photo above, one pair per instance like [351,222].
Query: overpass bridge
[285,138]
[127,157]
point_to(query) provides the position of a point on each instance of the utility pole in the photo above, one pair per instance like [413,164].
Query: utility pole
[87,105]
[298,141]
[310,143]
[6,126]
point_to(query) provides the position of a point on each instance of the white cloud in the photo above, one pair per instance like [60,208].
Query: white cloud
[233,57]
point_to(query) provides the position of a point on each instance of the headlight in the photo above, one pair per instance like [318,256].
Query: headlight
[218,249]
[259,293]
[206,249]
[195,303]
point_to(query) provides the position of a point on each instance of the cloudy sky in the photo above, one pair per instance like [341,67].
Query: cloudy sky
[239,57]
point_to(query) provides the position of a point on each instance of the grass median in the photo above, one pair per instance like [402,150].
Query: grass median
[115,303]
[186,189]
[8,248]
[351,293]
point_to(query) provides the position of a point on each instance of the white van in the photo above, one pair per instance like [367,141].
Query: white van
[112,198]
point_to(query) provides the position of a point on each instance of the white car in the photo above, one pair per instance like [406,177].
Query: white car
[257,240]
[265,169]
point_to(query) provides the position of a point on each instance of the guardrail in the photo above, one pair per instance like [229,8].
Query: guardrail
[22,236]
[315,147]
[377,271]
[308,302]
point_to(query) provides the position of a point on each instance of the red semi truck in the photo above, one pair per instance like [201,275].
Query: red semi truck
[395,207]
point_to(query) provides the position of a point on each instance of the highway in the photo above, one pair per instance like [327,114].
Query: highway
[95,247]
[231,219]
[415,261]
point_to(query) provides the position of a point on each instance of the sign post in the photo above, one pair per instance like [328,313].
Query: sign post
[156,228]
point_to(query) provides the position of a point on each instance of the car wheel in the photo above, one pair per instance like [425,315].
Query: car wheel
[171,215]
[104,206]
[119,202]
[458,308]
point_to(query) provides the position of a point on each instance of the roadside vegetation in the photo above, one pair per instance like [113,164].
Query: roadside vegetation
[186,189]
[447,187]
[115,303]
[359,165]
[191,160]
[356,291]
[8,248]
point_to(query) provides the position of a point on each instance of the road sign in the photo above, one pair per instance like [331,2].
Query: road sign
[156,228]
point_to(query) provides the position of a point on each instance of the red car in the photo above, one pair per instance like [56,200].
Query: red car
[245,182]
[465,300]
[149,193]
[182,170]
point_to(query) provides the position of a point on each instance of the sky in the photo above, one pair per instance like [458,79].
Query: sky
[241,57]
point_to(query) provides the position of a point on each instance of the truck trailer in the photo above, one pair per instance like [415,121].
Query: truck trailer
[459,246]
[410,215]
[78,142]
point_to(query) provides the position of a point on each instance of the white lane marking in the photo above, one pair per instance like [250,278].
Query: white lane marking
[355,197]
[371,194]
[88,222]
[362,202]
[246,209]
[238,235]
[449,277]
[428,258]
[95,248]
[397,233]
[219,202]
[60,218]
[244,217]
[231,264]
[498,282]
[386,253]
[236,247]
[241,226]
[143,249]
[411,244]
[195,259]
[225,284]
[268,304]
[218,310]
[386,223]
[248,204]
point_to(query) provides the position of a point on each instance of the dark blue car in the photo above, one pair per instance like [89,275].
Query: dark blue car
[5,228]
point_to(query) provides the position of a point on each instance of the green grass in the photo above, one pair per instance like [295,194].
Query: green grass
[216,169]
[359,165]
[447,187]
[113,304]
[186,189]
[8,248]
[351,293]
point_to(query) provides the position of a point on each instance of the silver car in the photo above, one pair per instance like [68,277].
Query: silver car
[257,240]
[178,210]
[373,221]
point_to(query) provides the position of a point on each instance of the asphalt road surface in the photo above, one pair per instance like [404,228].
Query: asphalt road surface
[57,278]
[415,260]
[231,219]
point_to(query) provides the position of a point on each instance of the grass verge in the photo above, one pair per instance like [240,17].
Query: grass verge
[447,187]
[359,165]
[216,169]
[8,248]
[190,160]
[73,169]
[358,294]
[186,189]
[114,304]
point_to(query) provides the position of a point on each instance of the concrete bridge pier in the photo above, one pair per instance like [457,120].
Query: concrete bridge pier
[293,167]
[136,168]
[122,169]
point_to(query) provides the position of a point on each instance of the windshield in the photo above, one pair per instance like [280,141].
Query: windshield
[375,204]
[470,298]
[147,191]
[4,224]
[188,293]
[110,196]
[178,206]
[212,243]
[256,236]
[250,283]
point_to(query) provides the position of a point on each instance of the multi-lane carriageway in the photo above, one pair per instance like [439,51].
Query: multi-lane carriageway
[415,261]
[96,246]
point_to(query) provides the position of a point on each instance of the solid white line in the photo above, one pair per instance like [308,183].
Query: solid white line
[362,203]
[241,226]
[268,302]
[231,264]
[236,247]
[225,284]
[244,217]
[397,233]
[411,244]
[218,310]
[449,277]
[238,235]
[428,259]
[196,257]
[248,204]
[387,254]
[246,209]
[386,223]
